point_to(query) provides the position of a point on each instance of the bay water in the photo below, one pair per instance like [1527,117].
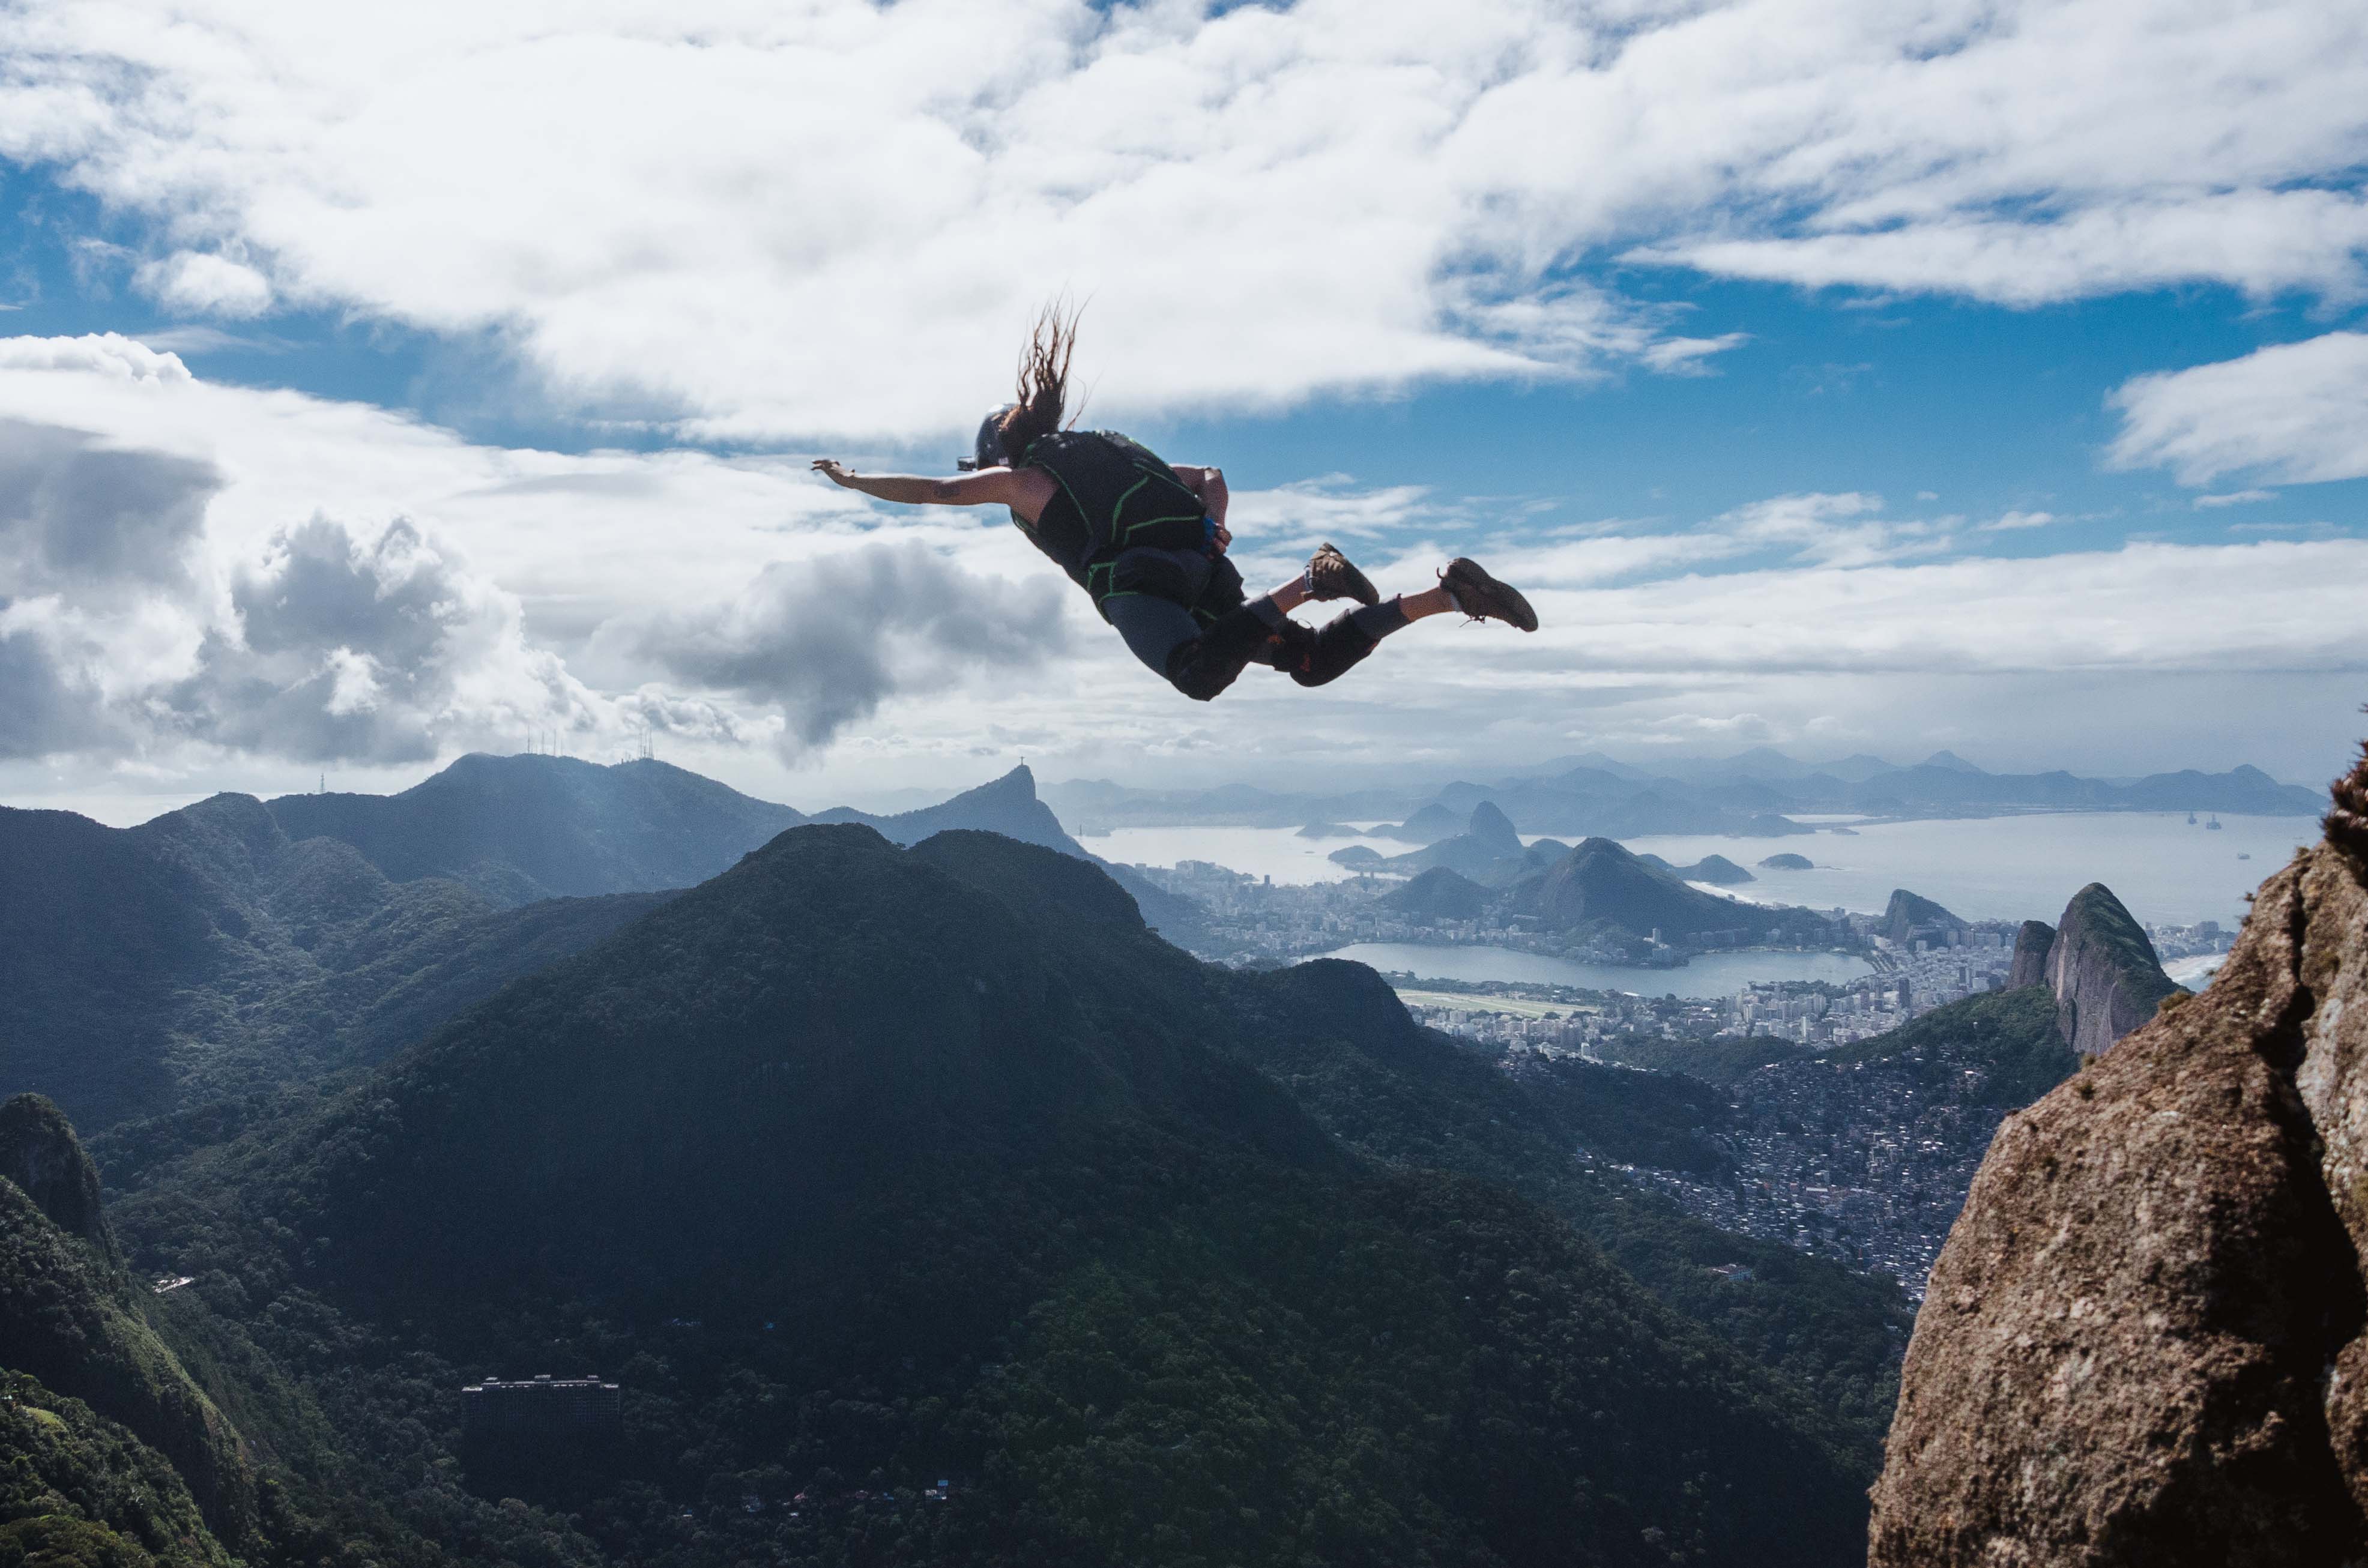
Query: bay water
[2008,868]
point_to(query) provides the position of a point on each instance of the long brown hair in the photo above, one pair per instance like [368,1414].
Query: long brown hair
[1042,395]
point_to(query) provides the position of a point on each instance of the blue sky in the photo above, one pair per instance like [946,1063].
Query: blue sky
[1839,377]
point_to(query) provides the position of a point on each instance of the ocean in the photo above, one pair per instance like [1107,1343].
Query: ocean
[2014,867]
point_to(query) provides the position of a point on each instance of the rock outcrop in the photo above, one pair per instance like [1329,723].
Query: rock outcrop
[71,1319]
[39,1153]
[2107,978]
[1490,828]
[1909,916]
[2031,944]
[2142,1342]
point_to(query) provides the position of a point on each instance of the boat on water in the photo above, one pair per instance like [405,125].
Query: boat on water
[2213,825]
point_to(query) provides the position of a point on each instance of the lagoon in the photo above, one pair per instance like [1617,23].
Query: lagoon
[1711,974]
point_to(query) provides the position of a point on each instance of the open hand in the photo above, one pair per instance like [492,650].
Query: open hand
[836,472]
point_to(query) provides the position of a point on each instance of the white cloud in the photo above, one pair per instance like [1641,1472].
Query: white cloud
[1829,530]
[832,218]
[2235,498]
[100,354]
[1685,356]
[2011,522]
[209,285]
[2291,414]
[234,576]
[827,640]
[2283,607]
[189,568]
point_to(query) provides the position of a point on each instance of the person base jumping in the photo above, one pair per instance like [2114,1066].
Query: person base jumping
[1147,543]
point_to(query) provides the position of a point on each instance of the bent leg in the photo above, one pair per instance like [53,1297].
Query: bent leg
[1346,639]
[1152,627]
[1200,663]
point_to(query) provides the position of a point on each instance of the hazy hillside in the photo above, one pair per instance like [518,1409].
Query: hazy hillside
[961,1204]
[237,946]
[205,954]
[521,828]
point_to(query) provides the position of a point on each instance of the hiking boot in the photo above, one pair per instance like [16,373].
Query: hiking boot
[1483,597]
[1329,576]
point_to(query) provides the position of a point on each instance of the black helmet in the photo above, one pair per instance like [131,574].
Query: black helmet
[987,451]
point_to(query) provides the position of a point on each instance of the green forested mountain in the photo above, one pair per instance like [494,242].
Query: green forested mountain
[1996,1048]
[858,1168]
[1334,1034]
[105,1427]
[80,1491]
[208,954]
[1009,806]
[240,947]
[1600,886]
[515,829]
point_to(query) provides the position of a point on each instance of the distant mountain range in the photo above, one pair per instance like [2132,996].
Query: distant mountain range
[238,945]
[1752,793]
[1597,893]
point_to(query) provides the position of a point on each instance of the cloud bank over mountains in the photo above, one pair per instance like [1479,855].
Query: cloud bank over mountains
[829,221]
[200,571]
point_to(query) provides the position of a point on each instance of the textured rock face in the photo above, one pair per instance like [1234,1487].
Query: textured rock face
[1494,829]
[39,1153]
[2142,1342]
[2107,978]
[2031,944]
[1909,915]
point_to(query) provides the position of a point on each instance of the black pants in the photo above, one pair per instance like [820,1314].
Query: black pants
[1202,661]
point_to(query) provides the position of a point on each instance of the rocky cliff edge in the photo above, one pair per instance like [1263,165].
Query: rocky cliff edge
[2142,1342]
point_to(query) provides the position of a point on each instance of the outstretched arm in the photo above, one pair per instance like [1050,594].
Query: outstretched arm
[987,487]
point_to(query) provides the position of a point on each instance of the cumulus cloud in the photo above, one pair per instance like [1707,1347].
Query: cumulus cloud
[380,649]
[297,592]
[206,284]
[79,516]
[272,575]
[106,353]
[834,217]
[44,709]
[2291,414]
[828,640]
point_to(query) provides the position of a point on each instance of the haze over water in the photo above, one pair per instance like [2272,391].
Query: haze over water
[2008,868]
[2021,867]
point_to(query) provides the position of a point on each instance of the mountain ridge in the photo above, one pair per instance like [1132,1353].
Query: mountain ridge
[964,1172]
